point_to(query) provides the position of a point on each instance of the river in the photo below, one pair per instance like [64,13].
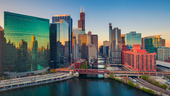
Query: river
[82,86]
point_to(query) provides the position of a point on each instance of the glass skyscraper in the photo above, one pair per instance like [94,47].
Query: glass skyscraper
[68,19]
[115,45]
[152,43]
[132,38]
[59,44]
[26,42]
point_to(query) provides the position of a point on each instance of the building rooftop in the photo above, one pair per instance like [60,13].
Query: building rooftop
[62,15]
[153,36]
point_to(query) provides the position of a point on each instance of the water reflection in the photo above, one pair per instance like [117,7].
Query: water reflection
[78,87]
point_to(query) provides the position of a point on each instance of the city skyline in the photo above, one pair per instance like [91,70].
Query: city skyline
[130,15]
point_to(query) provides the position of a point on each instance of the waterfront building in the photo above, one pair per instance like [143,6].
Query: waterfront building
[79,63]
[94,39]
[163,53]
[1,51]
[132,38]
[152,43]
[123,39]
[59,44]
[139,59]
[78,32]
[105,47]
[101,49]
[92,52]
[115,47]
[81,22]
[69,20]
[124,49]
[163,42]
[20,48]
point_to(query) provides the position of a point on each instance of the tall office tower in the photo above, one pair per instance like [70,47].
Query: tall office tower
[89,38]
[163,53]
[84,47]
[81,22]
[1,51]
[139,59]
[152,43]
[163,42]
[18,29]
[59,44]
[123,39]
[105,47]
[94,39]
[92,52]
[132,38]
[115,45]
[78,32]
[74,48]
[101,49]
[143,43]
[68,19]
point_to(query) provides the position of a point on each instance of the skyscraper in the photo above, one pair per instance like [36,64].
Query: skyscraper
[152,43]
[92,52]
[81,22]
[94,40]
[68,19]
[105,47]
[84,47]
[132,38]
[19,45]
[115,45]
[163,42]
[1,51]
[78,32]
[123,39]
[59,44]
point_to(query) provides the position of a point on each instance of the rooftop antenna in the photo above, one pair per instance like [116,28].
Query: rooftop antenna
[83,9]
[80,9]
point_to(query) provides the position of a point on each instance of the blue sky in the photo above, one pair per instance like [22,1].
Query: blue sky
[149,17]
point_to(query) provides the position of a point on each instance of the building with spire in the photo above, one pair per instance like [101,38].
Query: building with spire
[81,22]
[1,51]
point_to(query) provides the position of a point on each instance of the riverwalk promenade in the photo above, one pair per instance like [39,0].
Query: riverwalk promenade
[33,80]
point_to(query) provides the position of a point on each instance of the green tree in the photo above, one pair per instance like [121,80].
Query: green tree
[130,83]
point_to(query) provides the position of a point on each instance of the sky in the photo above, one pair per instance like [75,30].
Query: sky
[149,17]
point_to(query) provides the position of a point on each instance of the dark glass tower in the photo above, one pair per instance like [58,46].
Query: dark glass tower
[68,19]
[59,37]
[26,42]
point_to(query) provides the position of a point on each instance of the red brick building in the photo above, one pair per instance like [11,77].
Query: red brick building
[139,59]
[124,49]
[79,63]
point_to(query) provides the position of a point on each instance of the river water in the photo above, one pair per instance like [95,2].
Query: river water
[85,85]
[78,87]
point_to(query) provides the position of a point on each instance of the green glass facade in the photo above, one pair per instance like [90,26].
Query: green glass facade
[152,43]
[26,42]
